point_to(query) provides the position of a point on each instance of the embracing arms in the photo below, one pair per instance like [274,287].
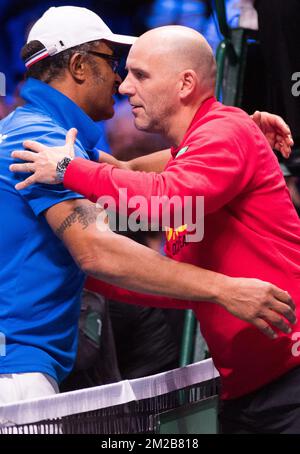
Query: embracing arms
[43,162]
[274,128]
[121,262]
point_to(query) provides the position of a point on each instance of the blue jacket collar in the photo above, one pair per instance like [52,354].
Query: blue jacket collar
[62,110]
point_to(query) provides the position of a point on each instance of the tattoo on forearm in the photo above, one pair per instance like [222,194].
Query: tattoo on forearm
[84,215]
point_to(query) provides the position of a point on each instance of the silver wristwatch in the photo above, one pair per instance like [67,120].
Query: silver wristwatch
[62,167]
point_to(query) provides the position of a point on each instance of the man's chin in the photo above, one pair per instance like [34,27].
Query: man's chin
[104,115]
[110,114]
[141,126]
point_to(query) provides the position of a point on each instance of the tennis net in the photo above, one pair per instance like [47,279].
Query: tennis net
[126,407]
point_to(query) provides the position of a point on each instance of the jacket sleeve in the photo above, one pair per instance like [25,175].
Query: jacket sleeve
[215,168]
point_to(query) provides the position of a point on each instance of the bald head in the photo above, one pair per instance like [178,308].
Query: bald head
[171,73]
[180,48]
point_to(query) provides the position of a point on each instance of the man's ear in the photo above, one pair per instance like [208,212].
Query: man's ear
[188,83]
[78,67]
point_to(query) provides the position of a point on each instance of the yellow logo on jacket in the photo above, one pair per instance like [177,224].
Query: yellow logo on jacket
[176,239]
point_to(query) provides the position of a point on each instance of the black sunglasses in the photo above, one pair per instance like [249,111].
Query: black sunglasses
[113,60]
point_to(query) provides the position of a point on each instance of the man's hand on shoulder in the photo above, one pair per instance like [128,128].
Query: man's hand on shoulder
[43,161]
[276,131]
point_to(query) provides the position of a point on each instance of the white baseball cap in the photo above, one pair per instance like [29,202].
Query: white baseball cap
[63,27]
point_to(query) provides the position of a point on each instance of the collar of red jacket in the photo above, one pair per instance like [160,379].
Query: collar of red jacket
[203,109]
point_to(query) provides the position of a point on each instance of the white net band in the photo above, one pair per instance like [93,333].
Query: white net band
[86,400]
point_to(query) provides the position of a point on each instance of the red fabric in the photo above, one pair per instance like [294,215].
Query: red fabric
[251,230]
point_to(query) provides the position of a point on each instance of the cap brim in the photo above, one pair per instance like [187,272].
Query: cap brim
[121,39]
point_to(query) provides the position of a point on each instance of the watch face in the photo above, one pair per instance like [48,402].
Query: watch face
[64,162]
